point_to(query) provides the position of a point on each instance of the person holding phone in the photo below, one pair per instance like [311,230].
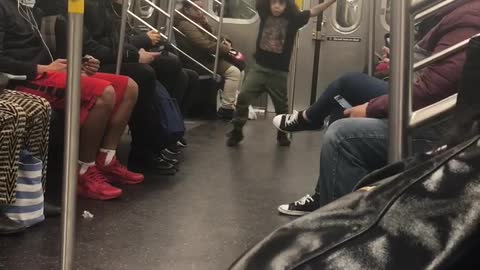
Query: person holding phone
[357,145]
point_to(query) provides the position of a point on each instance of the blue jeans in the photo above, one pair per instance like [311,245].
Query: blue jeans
[354,147]
[356,88]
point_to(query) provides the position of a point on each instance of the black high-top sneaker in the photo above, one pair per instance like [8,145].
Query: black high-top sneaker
[235,136]
[282,139]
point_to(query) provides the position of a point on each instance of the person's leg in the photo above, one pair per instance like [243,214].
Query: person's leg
[193,87]
[12,132]
[38,112]
[232,78]
[277,89]
[144,142]
[356,88]
[254,86]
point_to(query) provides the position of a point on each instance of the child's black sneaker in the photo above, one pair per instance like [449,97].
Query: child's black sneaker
[301,207]
[282,139]
[291,122]
[234,137]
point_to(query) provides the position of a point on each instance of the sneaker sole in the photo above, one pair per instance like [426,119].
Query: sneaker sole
[89,195]
[292,212]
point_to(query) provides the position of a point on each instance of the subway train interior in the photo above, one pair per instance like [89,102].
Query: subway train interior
[360,150]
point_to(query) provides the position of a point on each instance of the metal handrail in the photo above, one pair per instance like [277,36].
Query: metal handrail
[418,6]
[157,8]
[443,54]
[219,37]
[425,115]
[429,11]
[135,16]
[196,24]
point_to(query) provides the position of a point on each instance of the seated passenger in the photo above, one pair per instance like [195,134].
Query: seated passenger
[102,19]
[356,146]
[25,125]
[201,46]
[146,150]
[106,100]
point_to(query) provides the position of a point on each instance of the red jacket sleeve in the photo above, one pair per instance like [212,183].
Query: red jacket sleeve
[437,81]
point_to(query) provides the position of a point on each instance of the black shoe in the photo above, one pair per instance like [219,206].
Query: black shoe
[234,137]
[149,163]
[301,207]
[172,161]
[282,139]
[292,122]
[225,114]
[9,227]
[50,210]
[173,150]
[182,143]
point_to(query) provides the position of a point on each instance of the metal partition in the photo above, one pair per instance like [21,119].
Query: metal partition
[170,28]
[400,106]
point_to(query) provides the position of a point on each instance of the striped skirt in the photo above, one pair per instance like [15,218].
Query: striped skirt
[24,124]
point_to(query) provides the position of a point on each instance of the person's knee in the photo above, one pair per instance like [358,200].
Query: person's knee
[339,130]
[107,99]
[131,94]
[233,74]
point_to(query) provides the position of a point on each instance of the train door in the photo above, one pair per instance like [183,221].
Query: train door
[344,40]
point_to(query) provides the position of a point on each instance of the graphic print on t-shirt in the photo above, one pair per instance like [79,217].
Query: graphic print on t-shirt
[274,35]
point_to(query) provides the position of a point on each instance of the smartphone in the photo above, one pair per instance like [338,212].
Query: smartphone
[387,40]
[342,102]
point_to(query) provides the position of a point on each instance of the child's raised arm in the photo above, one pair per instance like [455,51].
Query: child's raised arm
[318,9]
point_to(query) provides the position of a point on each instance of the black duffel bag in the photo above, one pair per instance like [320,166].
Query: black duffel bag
[426,217]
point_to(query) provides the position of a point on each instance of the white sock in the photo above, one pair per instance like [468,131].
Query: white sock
[84,166]
[110,155]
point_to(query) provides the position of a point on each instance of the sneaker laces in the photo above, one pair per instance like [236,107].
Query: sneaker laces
[96,176]
[118,166]
[291,119]
[304,200]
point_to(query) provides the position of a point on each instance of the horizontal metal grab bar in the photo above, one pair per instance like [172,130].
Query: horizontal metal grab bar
[166,38]
[443,54]
[429,11]
[426,114]
[157,8]
[196,24]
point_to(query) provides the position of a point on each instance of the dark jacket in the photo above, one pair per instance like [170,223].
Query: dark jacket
[21,48]
[199,45]
[440,80]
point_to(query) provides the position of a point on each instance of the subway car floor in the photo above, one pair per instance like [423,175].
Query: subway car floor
[222,201]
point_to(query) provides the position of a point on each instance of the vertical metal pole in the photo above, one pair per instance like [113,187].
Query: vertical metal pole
[219,38]
[400,83]
[171,12]
[371,37]
[72,131]
[121,41]
[293,75]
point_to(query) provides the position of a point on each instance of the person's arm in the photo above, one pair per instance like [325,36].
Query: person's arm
[436,82]
[262,7]
[199,40]
[318,9]
[9,64]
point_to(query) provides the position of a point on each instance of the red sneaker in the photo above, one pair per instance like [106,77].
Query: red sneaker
[94,185]
[116,172]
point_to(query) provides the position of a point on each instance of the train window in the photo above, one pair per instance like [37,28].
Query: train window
[237,9]
[348,14]
[386,14]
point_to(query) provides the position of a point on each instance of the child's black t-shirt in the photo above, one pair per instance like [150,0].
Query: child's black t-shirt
[276,37]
